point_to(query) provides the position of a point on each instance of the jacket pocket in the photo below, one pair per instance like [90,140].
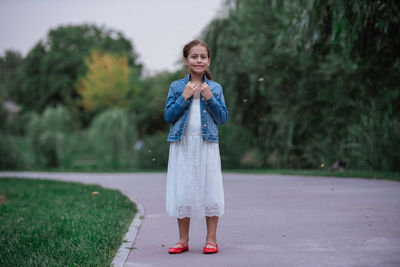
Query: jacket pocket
[177,126]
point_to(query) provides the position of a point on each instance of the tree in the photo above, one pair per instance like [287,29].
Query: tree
[149,105]
[9,65]
[47,133]
[50,71]
[113,134]
[107,83]
[300,75]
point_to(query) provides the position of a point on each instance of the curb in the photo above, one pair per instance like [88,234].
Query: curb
[130,237]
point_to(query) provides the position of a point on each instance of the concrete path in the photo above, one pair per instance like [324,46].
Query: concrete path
[269,220]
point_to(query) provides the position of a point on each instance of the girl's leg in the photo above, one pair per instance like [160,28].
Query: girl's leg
[183,225]
[212,223]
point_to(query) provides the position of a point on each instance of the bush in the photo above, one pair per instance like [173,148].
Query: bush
[238,147]
[153,152]
[12,154]
[374,143]
[47,134]
[112,136]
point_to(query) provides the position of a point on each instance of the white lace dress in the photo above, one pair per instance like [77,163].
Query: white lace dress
[194,178]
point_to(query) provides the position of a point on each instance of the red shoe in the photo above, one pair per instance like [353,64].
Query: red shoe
[178,250]
[207,250]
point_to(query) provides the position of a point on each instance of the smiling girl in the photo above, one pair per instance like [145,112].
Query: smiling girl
[194,107]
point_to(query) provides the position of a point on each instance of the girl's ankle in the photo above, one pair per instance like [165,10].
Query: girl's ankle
[212,241]
[184,241]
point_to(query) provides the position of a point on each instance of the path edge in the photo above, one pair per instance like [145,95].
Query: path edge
[130,237]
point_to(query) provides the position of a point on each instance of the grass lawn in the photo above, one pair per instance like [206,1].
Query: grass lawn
[346,173]
[51,223]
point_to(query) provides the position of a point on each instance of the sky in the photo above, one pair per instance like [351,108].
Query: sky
[158,29]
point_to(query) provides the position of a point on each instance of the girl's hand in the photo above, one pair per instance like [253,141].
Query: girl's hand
[189,90]
[206,91]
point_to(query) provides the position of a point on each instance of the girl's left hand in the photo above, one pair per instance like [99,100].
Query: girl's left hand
[206,91]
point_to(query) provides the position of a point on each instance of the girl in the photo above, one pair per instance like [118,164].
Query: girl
[195,106]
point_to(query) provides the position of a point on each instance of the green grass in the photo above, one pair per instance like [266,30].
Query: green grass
[98,169]
[51,223]
[346,173]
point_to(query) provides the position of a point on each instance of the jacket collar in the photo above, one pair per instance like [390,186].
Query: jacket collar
[187,78]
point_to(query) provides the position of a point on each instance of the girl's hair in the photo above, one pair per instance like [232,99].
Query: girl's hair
[188,46]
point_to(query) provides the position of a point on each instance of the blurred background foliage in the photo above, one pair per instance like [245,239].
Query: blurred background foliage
[312,81]
[306,83]
[106,83]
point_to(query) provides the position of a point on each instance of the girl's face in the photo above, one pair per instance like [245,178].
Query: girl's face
[197,60]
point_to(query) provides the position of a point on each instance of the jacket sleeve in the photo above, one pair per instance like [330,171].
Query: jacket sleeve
[174,106]
[217,108]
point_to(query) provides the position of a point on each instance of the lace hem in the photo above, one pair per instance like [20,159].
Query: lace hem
[186,212]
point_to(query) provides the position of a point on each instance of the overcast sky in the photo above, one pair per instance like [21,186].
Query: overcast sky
[158,29]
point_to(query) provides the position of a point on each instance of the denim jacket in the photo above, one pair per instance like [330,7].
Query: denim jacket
[213,111]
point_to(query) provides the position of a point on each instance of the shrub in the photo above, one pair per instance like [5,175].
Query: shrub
[47,134]
[153,154]
[112,135]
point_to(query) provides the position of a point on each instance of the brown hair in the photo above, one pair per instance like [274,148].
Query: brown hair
[188,46]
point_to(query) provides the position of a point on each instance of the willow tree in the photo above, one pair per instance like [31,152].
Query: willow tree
[113,135]
[300,75]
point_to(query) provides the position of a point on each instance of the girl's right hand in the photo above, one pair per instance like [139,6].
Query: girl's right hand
[189,90]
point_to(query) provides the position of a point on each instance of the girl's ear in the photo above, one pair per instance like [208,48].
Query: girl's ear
[185,61]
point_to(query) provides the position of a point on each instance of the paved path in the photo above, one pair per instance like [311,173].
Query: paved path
[269,220]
